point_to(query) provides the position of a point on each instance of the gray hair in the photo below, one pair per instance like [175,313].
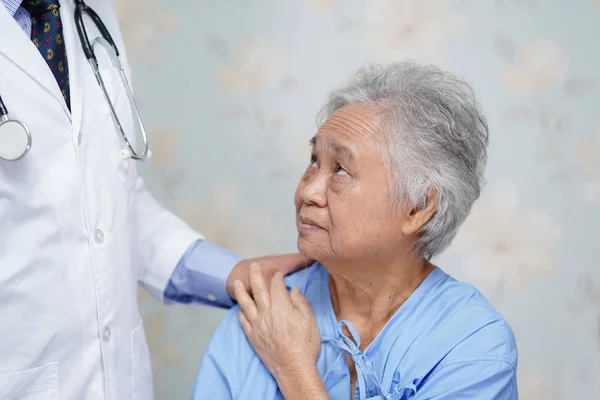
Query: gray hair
[437,140]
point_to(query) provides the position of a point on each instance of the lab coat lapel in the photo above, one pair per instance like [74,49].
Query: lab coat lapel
[76,59]
[16,46]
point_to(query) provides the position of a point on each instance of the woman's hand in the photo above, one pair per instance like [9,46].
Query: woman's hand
[283,331]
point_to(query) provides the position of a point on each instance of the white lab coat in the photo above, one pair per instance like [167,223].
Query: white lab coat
[77,231]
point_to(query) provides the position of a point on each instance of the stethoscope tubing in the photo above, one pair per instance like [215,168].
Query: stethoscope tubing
[108,43]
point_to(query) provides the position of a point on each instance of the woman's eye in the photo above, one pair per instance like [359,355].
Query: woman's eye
[340,171]
[313,160]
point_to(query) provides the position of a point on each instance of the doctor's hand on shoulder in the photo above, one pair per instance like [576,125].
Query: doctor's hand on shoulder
[269,265]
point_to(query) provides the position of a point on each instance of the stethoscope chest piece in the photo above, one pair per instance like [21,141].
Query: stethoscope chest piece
[15,139]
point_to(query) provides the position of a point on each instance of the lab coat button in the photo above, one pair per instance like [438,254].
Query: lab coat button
[99,236]
[106,334]
[211,297]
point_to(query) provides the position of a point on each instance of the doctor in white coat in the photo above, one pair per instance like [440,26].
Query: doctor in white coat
[78,229]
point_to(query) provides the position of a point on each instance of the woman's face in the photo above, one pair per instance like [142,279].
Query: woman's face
[343,207]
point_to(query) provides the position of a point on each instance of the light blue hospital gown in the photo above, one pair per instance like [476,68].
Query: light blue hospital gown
[445,342]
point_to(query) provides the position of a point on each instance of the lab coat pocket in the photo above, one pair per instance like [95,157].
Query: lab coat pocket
[142,374]
[39,383]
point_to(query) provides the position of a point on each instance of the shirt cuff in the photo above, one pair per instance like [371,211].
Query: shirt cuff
[201,276]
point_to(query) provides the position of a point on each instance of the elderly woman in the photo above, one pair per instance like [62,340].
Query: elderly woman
[395,168]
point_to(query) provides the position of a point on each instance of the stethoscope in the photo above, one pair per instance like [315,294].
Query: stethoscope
[15,136]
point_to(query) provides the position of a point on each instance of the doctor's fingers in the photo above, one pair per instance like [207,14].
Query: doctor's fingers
[260,291]
[247,305]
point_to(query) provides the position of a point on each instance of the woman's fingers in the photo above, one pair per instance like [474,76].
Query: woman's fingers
[278,289]
[300,302]
[246,326]
[260,292]
[247,305]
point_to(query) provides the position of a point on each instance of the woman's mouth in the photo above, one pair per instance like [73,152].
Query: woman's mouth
[307,224]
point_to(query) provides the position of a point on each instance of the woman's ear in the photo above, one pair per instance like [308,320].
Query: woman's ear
[417,217]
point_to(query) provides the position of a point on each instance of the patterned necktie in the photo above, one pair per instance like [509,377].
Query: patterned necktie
[47,35]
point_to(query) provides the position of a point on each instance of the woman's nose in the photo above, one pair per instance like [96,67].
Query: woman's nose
[314,191]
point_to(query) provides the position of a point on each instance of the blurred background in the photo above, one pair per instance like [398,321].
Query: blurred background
[230,90]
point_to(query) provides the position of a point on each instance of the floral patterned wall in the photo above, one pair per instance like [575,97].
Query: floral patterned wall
[230,89]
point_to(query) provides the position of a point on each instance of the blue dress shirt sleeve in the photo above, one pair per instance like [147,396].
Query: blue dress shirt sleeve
[201,274]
